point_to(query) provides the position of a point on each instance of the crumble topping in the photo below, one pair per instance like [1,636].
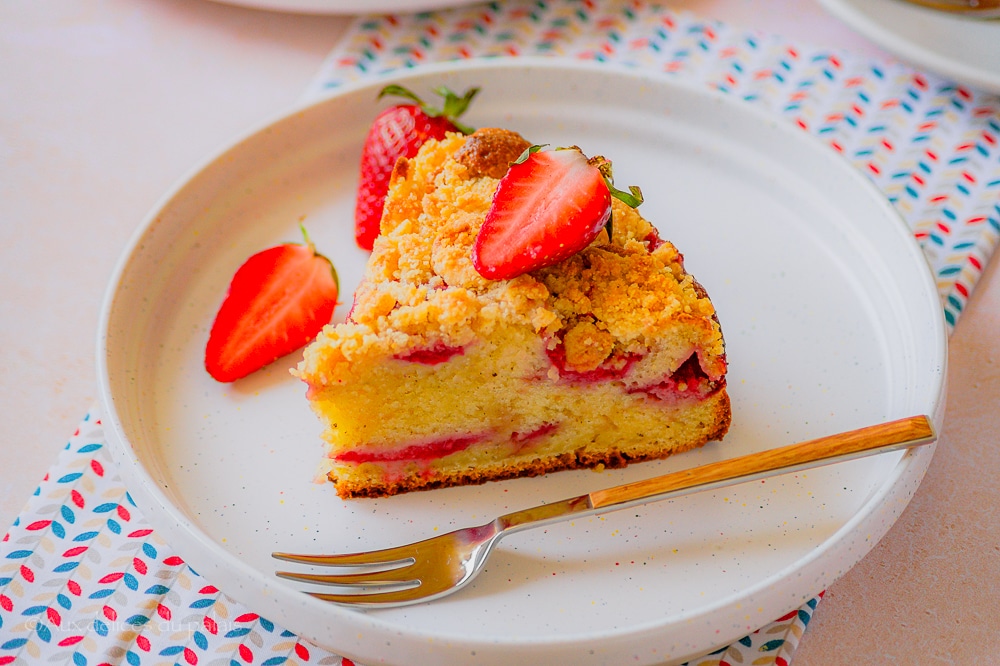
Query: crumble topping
[490,151]
[421,289]
[587,346]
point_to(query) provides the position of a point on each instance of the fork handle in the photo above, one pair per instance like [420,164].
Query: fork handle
[881,438]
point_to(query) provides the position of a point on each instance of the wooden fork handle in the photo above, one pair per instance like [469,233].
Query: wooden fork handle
[884,437]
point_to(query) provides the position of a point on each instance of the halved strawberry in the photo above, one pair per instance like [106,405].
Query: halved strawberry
[549,206]
[396,132]
[278,301]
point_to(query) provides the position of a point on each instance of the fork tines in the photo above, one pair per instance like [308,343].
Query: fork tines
[387,581]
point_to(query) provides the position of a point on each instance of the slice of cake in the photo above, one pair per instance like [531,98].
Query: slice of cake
[442,377]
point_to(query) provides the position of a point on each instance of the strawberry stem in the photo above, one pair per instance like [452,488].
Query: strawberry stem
[305,237]
[312,248]
[523,157]
[632,198]
[400,91]
[454,106]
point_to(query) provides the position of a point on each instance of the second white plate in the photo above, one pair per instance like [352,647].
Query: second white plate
[831,319]
[349,6]
[962,49]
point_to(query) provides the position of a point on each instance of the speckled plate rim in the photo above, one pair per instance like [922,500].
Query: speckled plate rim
[352,630]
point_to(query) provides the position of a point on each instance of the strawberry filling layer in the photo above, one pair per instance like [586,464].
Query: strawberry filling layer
[613,368]
[689,381]
[541,431]
[432,450]
[435,355]
[440,448]
[652,240]
[523,440]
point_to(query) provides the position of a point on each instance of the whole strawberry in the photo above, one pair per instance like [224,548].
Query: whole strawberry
[549,206]
[396,132]
[277,302]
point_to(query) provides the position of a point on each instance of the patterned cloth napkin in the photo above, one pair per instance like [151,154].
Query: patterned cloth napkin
[84,578]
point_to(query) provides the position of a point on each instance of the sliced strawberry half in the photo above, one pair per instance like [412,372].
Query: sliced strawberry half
[278,301]
[396,132]
[549,206]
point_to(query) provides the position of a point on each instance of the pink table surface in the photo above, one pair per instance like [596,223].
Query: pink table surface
[103,105]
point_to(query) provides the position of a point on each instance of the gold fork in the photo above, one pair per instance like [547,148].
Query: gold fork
[440,565]
[984,9]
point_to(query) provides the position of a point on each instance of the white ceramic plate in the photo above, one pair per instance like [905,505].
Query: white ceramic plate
[963,49]
[830,315]
[349,6]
